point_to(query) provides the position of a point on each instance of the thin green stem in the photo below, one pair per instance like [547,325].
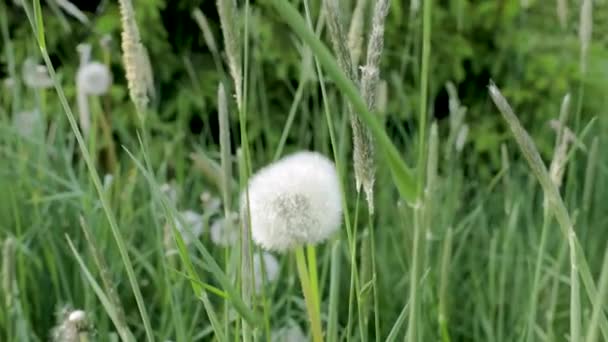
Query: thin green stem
[372,243]
[313,276]
[412,333]
[424,92]
[311,306]
[537,268]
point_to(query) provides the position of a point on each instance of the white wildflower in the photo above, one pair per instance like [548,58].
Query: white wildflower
[294,201]
[271,267]
[93,78]
[73,324]
[192,226]
[35,76]
[225,232]
[77,316]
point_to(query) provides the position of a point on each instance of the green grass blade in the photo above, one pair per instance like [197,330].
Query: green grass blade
[208,259]
[392,336]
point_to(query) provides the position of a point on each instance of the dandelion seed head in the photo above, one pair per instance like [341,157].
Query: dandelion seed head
[94,78]
[294,201]
[77,316]
[71,324]
[35,76]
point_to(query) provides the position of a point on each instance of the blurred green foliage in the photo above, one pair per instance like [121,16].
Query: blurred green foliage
[518,44]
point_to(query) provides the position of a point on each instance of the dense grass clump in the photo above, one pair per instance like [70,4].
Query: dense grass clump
[425,211]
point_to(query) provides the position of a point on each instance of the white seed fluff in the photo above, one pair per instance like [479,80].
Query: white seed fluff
[77,316]
[94,78]
[294,201]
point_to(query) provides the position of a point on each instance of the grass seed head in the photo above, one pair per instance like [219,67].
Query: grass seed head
[135,58]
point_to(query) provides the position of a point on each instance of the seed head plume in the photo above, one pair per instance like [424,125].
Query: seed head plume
[355,32]
[74,326]
[135,58]
[294,201]
[228,19]
[370,75]
[363,149]
[370,72]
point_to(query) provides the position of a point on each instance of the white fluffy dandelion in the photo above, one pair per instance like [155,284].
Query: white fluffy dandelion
[77,316]
[73,326]
[35,76]
[294,201]
[94,78]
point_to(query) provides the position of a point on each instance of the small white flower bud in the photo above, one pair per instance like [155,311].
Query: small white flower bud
[294,201]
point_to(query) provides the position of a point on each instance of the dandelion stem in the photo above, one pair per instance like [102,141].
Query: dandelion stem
[309,295]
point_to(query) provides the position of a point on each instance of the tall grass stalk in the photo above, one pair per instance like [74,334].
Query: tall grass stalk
[556,173]
[413,319]
[578,263]
[363,148]
[37,27]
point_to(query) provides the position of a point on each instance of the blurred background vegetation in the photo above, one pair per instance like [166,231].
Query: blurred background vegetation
[530,48]
[521,44]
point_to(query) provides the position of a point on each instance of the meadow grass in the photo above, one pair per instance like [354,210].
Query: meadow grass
[434,255]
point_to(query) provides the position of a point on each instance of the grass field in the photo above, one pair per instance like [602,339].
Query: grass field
[119,225]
